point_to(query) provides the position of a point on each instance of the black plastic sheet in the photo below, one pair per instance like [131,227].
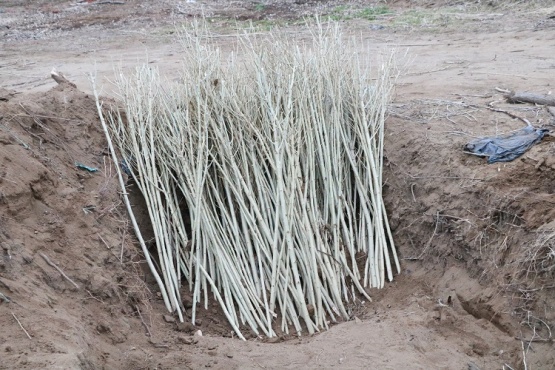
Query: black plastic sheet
[507,147]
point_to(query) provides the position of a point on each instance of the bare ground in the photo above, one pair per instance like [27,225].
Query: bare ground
[465,229]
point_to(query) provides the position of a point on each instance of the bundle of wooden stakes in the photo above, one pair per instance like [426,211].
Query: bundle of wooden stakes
[276,157]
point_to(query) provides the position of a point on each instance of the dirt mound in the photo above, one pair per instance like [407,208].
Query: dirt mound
[51,207]
[473,223]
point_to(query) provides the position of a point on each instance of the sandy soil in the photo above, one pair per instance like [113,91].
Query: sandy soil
[464,229]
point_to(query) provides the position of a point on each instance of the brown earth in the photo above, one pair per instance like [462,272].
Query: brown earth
[466,230]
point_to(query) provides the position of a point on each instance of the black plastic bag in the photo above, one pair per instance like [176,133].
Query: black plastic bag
[505,148]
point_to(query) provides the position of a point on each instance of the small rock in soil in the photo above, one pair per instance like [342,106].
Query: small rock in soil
[169,318]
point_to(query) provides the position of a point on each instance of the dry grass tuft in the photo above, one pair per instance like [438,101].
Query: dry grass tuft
[537,264]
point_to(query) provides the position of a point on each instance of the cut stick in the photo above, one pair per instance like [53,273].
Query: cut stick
[280,205]
[524,97]
[21,326]
[504,91]
[126,198]
[110,2]
[59,269]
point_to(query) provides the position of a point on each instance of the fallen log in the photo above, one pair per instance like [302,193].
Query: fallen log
[524,97]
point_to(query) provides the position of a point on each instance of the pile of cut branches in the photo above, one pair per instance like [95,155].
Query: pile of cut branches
[276,157]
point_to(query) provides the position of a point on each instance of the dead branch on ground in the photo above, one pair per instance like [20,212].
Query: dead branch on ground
[512,115]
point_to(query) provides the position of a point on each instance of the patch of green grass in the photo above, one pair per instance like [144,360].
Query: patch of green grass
[372,13]
[343,12]
[339,13]
[260,24]
[422,18]
[265,24]
[259,7]
[340,9]
[414,18]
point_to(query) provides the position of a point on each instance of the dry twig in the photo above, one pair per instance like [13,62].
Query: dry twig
[143,321]
[537,340]
[524,355]
[504,91]
[110,2]
[21,326]
[512,115]
[419,257]
[59,269]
